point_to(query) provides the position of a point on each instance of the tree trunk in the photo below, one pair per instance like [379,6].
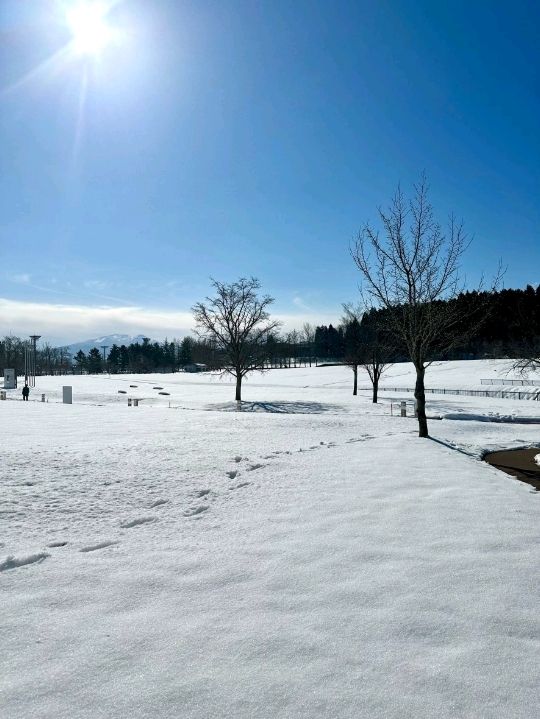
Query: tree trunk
[238,387]
[420,396]
[375,390]
[355,382]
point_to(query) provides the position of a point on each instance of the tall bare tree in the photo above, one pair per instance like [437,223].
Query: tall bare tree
[379,352]
[367,346]
[530,363]
[410,270]
[237,320]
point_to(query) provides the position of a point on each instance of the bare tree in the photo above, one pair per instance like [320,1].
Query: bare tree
[354,346]
[528,323]
[529,363]
[378,356]
[410,272]
[308,333]
[366,346]
[237,320]
[308,339]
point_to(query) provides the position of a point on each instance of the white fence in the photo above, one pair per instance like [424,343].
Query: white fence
[531,394]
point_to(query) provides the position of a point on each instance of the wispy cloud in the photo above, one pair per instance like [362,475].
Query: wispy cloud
[95,285]
[66,323]
[301,304]
[21,279]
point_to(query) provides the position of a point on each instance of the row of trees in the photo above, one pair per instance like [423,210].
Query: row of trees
[49,360]
[510,328]
[414,305]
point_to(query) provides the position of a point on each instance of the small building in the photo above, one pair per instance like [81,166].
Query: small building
[195,367]
[10,379]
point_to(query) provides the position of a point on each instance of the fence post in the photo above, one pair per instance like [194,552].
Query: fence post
[403,409]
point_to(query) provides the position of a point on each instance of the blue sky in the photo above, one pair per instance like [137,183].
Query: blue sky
[252,138]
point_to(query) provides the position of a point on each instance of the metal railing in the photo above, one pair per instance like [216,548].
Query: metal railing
[533,394]
[513,382]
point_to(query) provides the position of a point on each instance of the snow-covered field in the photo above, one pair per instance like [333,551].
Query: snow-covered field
[308,556]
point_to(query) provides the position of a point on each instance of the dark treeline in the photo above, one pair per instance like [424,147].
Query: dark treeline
[509,327]
[49,360]
[505,324]
[173,356]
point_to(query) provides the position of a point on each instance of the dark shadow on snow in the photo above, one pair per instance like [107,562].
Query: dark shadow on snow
[300,407]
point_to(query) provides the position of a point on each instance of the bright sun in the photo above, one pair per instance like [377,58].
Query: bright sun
[88,24]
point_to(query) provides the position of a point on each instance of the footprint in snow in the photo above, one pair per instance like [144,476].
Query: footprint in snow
[253,467]
[240,485]
[202,493]
[193,511]
[238,458]
[158,503]
[232,474]
[99,545]
[12,562]
[135,522]
[53,545]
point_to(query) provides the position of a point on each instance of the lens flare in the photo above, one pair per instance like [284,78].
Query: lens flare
[89,28]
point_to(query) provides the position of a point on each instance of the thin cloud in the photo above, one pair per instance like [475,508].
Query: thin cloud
[21,279]
[66,323]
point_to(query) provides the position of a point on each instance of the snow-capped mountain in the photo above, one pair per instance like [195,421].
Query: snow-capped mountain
[99,342]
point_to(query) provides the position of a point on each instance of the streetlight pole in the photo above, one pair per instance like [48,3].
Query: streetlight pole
[31,376]
[104,348]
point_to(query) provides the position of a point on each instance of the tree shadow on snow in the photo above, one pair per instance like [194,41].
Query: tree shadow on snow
[300,407]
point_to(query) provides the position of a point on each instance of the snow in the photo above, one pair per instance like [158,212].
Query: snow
[307,556]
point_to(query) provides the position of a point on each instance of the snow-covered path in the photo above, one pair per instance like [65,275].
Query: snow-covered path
[220,564]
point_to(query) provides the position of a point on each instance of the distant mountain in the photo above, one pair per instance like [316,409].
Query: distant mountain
[99,342]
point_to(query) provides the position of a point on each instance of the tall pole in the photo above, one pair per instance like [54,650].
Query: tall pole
[104,348]
[33,363]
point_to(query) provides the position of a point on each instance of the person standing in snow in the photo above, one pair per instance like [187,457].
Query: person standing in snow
[25,393]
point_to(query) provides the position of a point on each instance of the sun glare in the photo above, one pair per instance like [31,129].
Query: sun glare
[89,28]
